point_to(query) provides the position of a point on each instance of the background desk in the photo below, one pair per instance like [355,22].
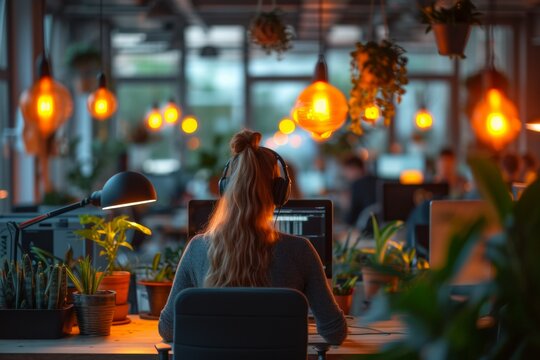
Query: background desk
[136,341]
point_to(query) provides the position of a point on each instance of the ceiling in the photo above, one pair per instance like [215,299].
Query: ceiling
[166,15]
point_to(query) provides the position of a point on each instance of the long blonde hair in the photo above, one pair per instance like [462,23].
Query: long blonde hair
[240,230]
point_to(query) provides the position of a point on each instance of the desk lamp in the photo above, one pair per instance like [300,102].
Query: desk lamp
[127,188]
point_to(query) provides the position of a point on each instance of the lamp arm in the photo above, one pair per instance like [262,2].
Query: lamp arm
[53,213]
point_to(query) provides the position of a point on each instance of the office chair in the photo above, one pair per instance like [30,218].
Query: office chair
[239,323]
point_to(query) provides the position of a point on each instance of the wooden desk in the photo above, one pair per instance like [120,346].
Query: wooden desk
[136,341]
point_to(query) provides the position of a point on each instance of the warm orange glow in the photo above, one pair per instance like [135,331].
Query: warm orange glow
[372,113]
[533,126]
[411,176]
[189,124]
[3,194]
[495,120]
[320,109]
[193,143]
[322,137]
[154,120]
[46,104]
[171,113]
[101,104]
[280,138]
[287,126]
[423,119]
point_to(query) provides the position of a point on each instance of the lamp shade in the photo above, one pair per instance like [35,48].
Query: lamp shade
[127,188]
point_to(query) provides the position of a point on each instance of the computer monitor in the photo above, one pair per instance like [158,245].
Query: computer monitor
[399,200]
[390,166]
[447,217]
[311,219]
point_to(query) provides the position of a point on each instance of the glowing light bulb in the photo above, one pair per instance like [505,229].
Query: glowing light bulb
[45,106]
[423,119]
[189,124]
[372,113]
[497,124]
[154,120]
[101,103]
[171,112]
[287,126]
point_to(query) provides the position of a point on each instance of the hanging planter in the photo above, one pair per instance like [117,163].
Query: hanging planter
[269,31]
[378,74]
[451,22]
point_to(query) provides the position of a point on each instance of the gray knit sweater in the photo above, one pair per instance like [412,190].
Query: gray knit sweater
[295,264]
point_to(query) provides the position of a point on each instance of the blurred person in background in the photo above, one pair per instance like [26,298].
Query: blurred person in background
[446,171]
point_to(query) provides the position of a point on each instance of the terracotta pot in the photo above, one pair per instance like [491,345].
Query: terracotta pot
[158,293]
[344,302]
[119,283]
[374,280]
[451,38]
[95,312]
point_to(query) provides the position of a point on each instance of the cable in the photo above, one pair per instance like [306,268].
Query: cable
[321,51]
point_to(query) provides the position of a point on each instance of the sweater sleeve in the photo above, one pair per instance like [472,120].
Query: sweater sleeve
[182,279]
[331,323]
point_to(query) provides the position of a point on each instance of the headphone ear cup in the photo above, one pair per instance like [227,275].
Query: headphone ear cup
[222,184]
[280,191]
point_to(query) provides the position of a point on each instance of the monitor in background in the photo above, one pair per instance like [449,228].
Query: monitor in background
[447,216]
[399,200]
[311,219]
[390,166]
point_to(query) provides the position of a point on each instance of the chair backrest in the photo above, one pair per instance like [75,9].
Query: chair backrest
[240,323]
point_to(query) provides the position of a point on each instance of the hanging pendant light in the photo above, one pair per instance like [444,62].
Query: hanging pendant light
[171,112]
[372,113]
[101,103]
[189,124]
[154,120]
[321,108]
[423,119]
[495,118]
[47,104]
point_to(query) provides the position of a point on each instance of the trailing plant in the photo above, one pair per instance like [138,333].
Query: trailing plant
[85,277]
[378,75]
[269,31]
[346,265]
[163,269]
[25,286]
[442,327]
[461,12]
[109,235]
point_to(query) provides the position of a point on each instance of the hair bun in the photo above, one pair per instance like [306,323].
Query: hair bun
[245,139]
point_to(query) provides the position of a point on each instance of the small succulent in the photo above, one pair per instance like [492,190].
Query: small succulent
[378,73]
[269,31]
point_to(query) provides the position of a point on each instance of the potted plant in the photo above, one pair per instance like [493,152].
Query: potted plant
[383,263]
[111,236]
[84,60]
[94,308]
[378,75]
[451,22]
[158,280]
[33,295]
[268,30]
[346,265]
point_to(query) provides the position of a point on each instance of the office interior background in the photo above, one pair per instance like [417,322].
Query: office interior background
[198,54]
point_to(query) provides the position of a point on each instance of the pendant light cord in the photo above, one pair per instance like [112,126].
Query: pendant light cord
[385,22]
[490,55]
[260,4]
[321,51]
[371,10]
[43,25]
[101,35]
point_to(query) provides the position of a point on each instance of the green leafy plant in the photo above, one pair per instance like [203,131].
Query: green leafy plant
[85,277]
[439,326]
[462,12]
[346,265]
[163,269]
[109,235]
[269,31]
[50,259]
[25,286]
[378,75]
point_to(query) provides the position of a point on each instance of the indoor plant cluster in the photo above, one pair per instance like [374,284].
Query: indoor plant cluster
[444,327]
[269,31]
[378,76]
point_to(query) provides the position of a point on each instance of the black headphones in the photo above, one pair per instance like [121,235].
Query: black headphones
[281,187]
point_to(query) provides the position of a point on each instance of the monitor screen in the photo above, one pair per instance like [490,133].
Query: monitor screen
[311,219]
[390,166]
[399,200]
